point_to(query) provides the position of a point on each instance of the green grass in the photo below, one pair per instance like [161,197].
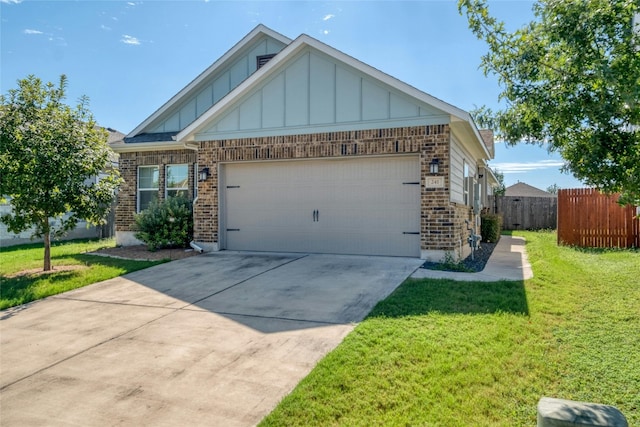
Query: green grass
[447,353]
[22,289]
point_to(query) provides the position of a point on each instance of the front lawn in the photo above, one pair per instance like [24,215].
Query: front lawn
[16,290]
[439,352]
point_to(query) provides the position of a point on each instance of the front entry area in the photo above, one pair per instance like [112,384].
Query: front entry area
[363,206]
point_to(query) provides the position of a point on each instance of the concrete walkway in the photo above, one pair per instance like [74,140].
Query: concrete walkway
[508,261]
[215,340]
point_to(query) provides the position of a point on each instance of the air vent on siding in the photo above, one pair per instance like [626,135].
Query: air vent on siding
[263,59]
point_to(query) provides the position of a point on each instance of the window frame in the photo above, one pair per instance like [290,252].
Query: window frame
[146,189]
[465,182]
[176,189]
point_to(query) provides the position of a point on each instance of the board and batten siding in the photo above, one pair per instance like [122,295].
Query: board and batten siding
[217,86]
[458,156]
[315,93]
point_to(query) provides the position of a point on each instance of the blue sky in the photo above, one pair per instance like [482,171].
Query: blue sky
[130,57]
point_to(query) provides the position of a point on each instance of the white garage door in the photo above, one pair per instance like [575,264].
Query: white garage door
[365,206]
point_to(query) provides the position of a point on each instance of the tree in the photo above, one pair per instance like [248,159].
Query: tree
[500,189]
[553,189]
[570,80]
[48,151]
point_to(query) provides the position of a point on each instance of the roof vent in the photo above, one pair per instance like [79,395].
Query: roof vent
[263,59]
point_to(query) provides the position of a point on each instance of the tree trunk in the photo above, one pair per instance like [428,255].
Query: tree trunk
[47,251]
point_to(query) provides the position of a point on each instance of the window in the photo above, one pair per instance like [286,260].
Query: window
[465,182]
[148,178]
[177,181]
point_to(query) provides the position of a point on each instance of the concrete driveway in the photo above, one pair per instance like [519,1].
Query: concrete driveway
[217,339]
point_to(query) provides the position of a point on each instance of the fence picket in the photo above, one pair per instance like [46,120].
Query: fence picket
[588,218]
[526,213]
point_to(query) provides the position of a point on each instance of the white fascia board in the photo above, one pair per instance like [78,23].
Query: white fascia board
[257,32]
[468,120]
[492,176]
[133,147]
[466,131]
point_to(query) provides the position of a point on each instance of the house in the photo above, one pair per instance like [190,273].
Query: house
[520,189]
[83,230]
[293,146]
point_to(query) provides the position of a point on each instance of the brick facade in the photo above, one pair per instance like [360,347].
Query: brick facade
[127,194]
[442,222]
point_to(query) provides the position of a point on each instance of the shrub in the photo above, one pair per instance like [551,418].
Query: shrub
[490,227]
[167,223]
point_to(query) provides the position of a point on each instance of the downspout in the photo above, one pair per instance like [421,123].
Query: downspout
[195,183]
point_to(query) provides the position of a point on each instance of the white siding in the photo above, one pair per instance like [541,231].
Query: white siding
[375,102]
[458,156]
[273,103]
[348,96]
[297,93]
[215,87]
[322,103]
[314,91]
[250,111]
[204,100]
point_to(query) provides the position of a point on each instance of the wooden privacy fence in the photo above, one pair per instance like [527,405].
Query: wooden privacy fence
[526,213]
[588,218]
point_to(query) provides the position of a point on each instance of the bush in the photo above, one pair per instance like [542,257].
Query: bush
[490,227]
[167,223]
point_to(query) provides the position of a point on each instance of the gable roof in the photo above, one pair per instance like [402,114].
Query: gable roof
[255,34]
[461,121]
[525,190]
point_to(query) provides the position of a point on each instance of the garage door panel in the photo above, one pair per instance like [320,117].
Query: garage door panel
[363,206]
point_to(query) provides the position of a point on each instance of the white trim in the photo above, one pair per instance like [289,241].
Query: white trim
[331,127]
[138,188]
[134,147]
[257,32]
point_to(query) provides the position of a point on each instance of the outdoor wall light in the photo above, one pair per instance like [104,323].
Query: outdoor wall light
[203,174]
[434,166]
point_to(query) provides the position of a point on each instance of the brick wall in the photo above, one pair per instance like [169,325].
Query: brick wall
[127,193]
[442,222]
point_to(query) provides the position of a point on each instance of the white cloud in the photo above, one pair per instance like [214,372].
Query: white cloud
[11,1]
[104,27]
[523,167]
[29,31]
[130,40]
[329,16]
[325,32]
[130,3]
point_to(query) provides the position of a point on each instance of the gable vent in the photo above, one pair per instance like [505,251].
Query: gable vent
[263,59]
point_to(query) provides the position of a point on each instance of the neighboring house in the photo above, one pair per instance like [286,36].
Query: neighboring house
[293,146]
[521,189]
[82,230]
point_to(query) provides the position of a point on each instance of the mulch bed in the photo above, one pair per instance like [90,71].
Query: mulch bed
[141,253]
[479,261]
